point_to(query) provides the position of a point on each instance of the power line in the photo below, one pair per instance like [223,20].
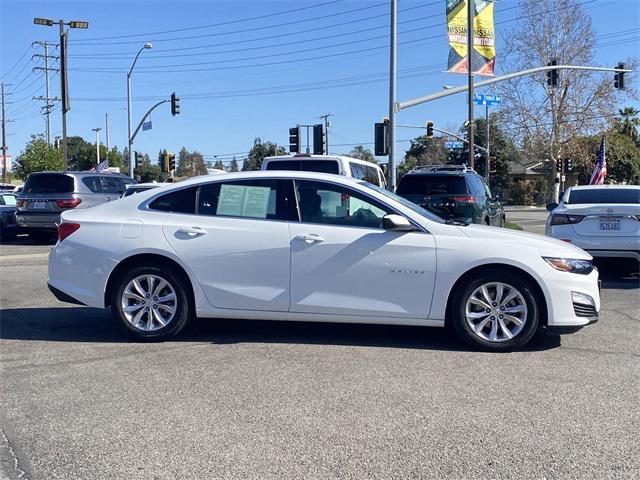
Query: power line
[229,22]
[22,57]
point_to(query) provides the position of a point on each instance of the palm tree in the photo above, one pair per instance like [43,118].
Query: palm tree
[628,122]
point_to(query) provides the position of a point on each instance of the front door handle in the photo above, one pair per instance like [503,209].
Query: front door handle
[192,231]
[309,238]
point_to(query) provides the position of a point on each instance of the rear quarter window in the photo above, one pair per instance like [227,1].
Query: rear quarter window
[47,183]
[179,201]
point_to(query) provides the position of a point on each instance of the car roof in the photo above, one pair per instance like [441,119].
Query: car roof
[596,187]
[148,184]
[79,174]
[303,157]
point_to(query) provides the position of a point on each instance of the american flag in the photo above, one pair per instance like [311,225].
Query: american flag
[103,165]
[600,169]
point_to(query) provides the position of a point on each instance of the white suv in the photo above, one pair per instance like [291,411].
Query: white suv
[604,220]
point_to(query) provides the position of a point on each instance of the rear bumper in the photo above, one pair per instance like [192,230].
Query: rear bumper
[615,254]
[39,220]
[63,297]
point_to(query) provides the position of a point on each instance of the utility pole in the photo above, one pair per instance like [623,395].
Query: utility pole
[48,106]
[106,131]
[327,124]
[392,95]
[63,92]
[488,162]
[470,7]
[4,138]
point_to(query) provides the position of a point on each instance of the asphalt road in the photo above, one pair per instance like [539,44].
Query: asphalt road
[246,399]
[530,219]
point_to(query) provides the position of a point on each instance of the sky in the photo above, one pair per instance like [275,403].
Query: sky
[250,69]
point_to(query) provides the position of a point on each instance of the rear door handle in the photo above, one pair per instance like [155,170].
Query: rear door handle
[192,231]
[309,238]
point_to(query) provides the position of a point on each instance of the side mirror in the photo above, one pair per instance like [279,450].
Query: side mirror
[552,206]
[397,223]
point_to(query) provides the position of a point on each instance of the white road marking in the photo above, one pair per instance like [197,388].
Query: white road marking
[24,256]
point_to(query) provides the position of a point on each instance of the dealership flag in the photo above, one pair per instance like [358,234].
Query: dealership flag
[103,165]
[600,169]
[484,37]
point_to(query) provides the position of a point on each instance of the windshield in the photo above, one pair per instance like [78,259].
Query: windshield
[419,210]
[605,195]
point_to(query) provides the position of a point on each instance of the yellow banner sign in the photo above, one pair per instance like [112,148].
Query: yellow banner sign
[484,38]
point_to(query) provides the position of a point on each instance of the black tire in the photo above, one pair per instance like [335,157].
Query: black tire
[183,302]
[483,277]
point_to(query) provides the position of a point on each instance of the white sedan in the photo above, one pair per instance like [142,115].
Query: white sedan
[314,247]
[604,220]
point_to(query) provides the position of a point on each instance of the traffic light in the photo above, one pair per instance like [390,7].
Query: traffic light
[172,161]
[318,139]
[559,165]
[175,104]
[381,137]
[294,140]
[164,163]
[493,164]
[139,160]
[552,75]
[429,129]
[568,165]
[618,78]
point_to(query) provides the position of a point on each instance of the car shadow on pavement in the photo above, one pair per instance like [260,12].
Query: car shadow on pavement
[83,324]
[619,274]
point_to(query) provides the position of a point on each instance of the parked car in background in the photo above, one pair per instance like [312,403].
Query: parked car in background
[453,192]
[7,187]
[604,220]
[141,187]
[305,246]
[8,225]
[47,194]
[336,164]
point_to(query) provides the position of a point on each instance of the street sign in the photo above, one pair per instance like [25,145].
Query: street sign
[453,145]
[146,125]
[487,100]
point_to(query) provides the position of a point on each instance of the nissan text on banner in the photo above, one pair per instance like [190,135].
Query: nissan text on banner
[484,38]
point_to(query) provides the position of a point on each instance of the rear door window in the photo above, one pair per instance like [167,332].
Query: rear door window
[179,201]
[257,199]
[112,185]
[432,185]
[93,183]
[49,183]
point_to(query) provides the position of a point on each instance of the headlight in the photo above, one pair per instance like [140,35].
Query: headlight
[571,265]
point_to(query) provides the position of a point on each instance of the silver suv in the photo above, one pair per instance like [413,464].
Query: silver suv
[46,194]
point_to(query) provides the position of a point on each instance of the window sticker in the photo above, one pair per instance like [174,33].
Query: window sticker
[243,201]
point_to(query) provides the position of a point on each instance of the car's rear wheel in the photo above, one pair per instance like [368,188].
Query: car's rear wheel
[151,302]
[496,310]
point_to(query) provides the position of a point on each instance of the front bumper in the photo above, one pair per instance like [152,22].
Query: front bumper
[38,220]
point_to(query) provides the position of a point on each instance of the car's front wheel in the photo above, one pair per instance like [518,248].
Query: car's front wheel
[496,310]
[151,302]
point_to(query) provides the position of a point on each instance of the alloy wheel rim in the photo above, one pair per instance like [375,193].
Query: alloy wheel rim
[149,303]
[496,312]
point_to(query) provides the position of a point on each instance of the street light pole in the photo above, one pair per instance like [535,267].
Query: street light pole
[470,8]
[129,138]
[64,90]
[392,96]
[97,130]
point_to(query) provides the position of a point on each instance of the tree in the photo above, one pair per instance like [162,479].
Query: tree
[628,122]
[562,30]
[362,153]
[258,153]
[233,166]
[37,156]
[182,169]
[219,165]
[500,146]
[197,166]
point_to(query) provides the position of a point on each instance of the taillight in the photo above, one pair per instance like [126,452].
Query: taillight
[66,229]
[19,203]
[463,198]
[566,219]
[68,203]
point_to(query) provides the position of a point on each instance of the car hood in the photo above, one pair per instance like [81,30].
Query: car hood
[549,247]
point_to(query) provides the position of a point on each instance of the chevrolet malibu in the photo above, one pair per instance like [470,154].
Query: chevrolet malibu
[309,246]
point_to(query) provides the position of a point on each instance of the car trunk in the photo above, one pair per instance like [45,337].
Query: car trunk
[444,195]
[619,220]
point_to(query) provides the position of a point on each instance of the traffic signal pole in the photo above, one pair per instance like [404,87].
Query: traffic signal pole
[470,7]
[392,96]
[457,137]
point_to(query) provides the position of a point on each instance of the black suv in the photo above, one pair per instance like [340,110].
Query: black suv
[453,192]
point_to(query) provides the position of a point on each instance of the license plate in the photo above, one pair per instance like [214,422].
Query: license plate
[609,224]
[39,205]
